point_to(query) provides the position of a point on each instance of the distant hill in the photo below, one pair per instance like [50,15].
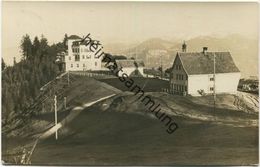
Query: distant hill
[243,50]
[152,49]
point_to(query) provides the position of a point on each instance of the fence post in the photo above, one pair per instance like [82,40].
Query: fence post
[55,110]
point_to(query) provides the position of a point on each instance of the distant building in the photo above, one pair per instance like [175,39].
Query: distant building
[152,73]
[192,73]
[79,57]
[249,85]
[131,67]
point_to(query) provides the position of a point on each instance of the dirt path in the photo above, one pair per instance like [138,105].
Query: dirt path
[75,112]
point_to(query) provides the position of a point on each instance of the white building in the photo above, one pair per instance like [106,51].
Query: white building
[130,67]
[193,73]
[79,57]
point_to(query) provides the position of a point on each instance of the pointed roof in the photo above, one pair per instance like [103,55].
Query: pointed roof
[203,63]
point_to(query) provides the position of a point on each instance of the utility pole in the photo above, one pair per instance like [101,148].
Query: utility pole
[214,77]
[68,78]
[56,121]
[65,101]
[161,68]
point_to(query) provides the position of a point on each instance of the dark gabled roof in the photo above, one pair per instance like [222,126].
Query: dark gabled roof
[152,72]
[203,63]
[129,63]
[73,37]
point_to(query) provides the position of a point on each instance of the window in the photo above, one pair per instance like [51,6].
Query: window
[186,88]
[69,58]
[211,88]
[179,77]
[177,67]
[211,79]
[71,65]
[83,57]
[78,65]
[83,65]
[77,58]
[95,63]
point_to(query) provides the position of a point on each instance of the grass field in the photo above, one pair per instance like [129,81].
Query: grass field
[113,138]
[118,132]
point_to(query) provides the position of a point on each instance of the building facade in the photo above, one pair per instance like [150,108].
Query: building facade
[193,73]
[133,68]
[79,57]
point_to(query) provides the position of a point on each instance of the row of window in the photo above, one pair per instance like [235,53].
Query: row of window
[177,67]
[77,57]
[180,77]
[76,50]
[180,88]
[77,65]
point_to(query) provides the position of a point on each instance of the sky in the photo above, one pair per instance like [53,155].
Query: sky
[125,22]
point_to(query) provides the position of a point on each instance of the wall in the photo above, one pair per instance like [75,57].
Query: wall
[225,83]
[130,70]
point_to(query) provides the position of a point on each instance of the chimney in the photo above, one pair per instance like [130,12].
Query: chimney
[205,50]
[184,46]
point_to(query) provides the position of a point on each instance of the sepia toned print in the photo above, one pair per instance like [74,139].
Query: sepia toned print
[130,83]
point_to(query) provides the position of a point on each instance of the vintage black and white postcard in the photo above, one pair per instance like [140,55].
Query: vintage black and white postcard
[130,83]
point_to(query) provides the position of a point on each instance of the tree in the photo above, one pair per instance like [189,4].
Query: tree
[65,40]
[168,70]
[36,46]
[14,61]
[3,65]
[26,46]
[22,81]
[43,46]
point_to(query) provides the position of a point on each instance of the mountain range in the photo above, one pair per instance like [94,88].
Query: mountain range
[157,51]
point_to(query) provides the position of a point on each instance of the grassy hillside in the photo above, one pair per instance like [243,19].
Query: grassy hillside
[117,131]
[112,138]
